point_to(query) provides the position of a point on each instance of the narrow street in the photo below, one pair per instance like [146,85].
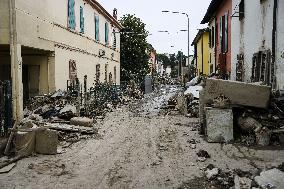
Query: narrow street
[138,146]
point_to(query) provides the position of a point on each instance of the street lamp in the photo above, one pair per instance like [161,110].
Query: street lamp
[188,43]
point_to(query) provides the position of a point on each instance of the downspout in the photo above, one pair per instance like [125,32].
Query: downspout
[274,32]
[215,45]
[12,54]
[202,52]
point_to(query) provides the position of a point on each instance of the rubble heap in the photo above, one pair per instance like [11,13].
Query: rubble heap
[247,112]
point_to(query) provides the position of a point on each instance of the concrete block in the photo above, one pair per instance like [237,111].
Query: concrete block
[24,143]
[219,125]
[273,178]
[202,107]
[239,93]
[46,142]
[182,104]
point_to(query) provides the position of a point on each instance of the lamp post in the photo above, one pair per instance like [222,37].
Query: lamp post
[188,43]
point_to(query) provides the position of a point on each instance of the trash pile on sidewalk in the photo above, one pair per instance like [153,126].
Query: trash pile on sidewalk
[187,102]
[54,122]
[246,112]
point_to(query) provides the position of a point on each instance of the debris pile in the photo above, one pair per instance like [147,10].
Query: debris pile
[54,122]
[246,112]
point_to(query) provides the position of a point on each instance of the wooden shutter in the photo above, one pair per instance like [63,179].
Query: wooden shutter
[97,27]
[226,37]
[221,33]
[71,14]
[210,38]
[81,20]
[106,33]
[213,37]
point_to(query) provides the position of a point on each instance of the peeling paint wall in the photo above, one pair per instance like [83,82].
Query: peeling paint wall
[254,33]
[280,46]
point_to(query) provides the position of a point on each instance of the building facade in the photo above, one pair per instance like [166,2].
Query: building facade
[219,13]
[258,39]
[42,45]
[201,46]
[152,59]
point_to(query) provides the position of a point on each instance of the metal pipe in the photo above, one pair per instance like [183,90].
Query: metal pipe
[12,55]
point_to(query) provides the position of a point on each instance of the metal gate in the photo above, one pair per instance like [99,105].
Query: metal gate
[5,107]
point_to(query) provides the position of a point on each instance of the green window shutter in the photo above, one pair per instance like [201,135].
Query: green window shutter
[71,14]
[106,33]
[82,29]
[97,27]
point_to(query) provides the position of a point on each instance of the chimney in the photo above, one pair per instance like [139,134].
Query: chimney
[115,13]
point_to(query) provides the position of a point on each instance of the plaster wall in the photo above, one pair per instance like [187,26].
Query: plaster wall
[225,7]
[86,65]
[4,22]
[280,46]
[43,24]
[252,34]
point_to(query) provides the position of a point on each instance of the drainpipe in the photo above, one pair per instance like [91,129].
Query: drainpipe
[215,43]
[12,53]
[16,66]
[202,52]
[274,32]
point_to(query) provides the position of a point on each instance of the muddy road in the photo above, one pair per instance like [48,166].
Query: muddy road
[138,146]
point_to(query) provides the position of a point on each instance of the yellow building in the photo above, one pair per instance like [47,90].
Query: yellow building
[201,52]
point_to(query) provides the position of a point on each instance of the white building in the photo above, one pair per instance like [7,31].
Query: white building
[45,43]
[168,70]
[258,41]
[160,68]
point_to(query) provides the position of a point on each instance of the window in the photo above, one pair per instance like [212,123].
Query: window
[114,39]
[71,14]
[106,72]
[98,73]
[221,33]
[212,37]
[81,20]
[97,27]
[114,75]
[106,33]
[242,10]
[110,78]
[224,33]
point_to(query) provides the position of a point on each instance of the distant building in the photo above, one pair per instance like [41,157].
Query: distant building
[201,46]
[160,68]
[152,58]
[45,43]
[168,71]
[218,16]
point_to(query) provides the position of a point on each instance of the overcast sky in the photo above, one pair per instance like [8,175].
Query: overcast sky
[150,11]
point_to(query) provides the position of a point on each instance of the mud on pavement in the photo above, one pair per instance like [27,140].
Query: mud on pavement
[141,146]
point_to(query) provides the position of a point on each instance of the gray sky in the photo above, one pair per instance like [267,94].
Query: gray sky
[150,11]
